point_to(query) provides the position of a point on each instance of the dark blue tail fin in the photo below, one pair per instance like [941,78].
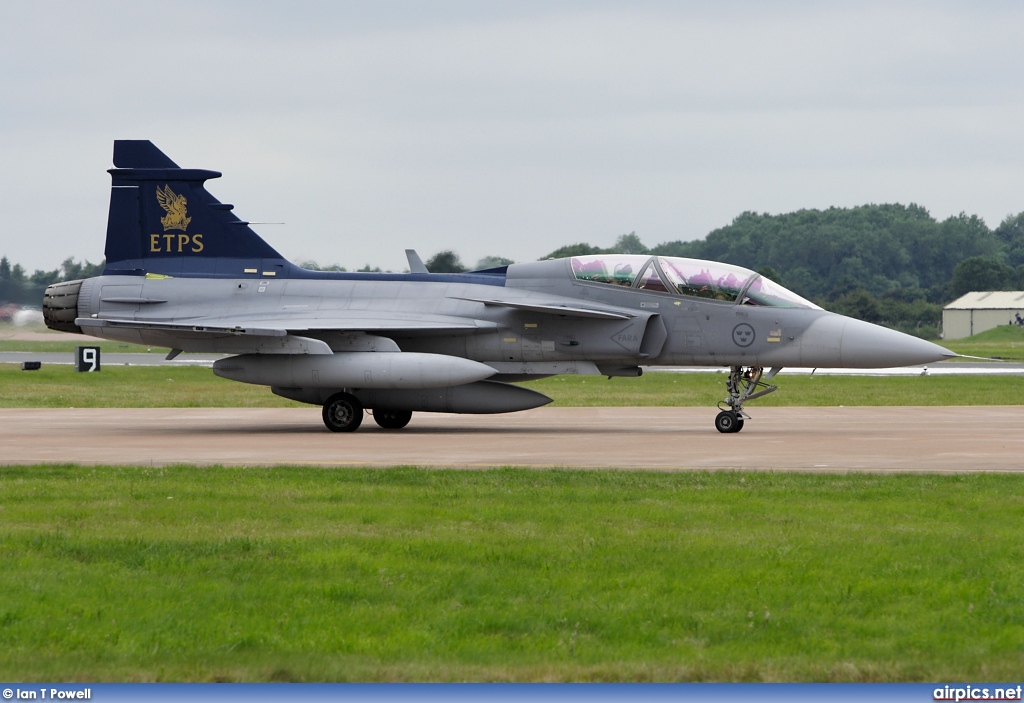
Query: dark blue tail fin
[162,220]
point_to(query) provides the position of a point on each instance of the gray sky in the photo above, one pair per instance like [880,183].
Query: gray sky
[507,128]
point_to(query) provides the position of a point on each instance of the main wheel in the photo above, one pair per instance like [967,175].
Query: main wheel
[727,422]
[343,413]
[392,419]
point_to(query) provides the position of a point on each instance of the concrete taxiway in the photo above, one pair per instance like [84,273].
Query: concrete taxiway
[946,439]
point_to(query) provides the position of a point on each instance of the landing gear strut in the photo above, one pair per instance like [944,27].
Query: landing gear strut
[744,383]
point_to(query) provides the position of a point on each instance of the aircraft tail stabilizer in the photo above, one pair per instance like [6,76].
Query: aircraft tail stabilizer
[163,220]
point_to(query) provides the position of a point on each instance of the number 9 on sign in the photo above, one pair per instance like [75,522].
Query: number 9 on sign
[87,359]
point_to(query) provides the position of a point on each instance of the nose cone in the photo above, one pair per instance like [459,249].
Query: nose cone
[868,346]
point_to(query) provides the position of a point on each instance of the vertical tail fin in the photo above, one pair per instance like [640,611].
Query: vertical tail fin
[163,220]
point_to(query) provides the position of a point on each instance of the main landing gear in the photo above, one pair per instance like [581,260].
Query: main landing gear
[744,383]
[392,419]
[344,413]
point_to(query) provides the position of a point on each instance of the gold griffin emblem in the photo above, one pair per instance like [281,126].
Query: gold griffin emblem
[177,216]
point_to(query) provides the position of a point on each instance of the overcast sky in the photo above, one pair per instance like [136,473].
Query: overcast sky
[506,128]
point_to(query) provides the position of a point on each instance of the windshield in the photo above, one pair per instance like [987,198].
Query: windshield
[691,277]
[764,291]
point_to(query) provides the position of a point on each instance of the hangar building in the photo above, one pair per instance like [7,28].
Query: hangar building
[981,310]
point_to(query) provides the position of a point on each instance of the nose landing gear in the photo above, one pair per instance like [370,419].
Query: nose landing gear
[744,383]
[727,421]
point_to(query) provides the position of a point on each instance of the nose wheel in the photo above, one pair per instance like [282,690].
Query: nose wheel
[744,383]
[727,421]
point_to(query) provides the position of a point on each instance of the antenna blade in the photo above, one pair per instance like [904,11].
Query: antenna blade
[416,264]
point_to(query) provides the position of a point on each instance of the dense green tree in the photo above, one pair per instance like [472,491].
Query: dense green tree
[859,304]
[916,316]
[314,266]
[22,289]
[1011,233]
[44,278]
[876,247]
[70,270]
[580,249]
[628,244]
[490,262]
[824,254]
[625,244]
[890,262]
[978,273]
[446,261]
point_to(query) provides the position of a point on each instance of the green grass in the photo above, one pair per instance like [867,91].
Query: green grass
[17,345]
[189,386]
[706,389]
[59,386]
[8,330]
[1005,342]
[186,573]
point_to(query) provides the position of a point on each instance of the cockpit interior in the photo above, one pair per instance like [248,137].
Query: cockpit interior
[693,278]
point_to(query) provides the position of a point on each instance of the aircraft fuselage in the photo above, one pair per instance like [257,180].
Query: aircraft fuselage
[662,329]
[184,272]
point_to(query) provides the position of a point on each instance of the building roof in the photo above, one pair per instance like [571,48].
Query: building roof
[989,300]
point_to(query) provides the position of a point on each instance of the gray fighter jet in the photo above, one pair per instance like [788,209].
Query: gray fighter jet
[184,272]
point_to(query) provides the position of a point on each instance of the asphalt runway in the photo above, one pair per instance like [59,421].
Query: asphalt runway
[939,439]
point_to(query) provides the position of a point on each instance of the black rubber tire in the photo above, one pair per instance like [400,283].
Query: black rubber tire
[727,422]
[392,419]
[343,413]
[739,425]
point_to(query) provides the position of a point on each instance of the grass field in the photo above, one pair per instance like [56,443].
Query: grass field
[59,386]
[10,342]
[227,574]
[108,347]
[185,386]
[183,573]
[1006,342]
[706,389]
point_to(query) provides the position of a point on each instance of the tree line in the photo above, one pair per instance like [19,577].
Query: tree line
[446,261]
[21,288]
[891,264]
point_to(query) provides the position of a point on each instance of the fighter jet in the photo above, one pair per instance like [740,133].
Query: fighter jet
[184,272]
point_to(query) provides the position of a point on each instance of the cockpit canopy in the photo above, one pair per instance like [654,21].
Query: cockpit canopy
[691,277]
